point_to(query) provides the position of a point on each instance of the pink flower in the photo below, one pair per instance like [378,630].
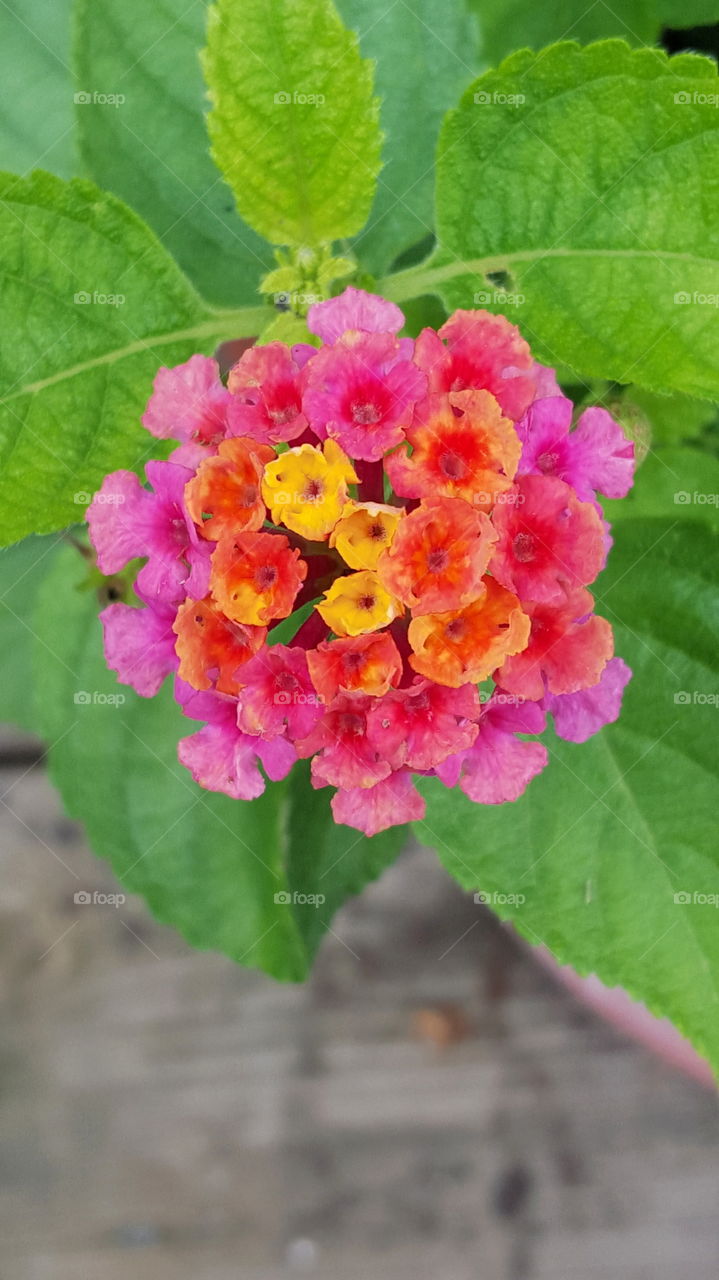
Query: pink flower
[596,456]
[140,645]
[482,352]
[353,310]
[361,393]
[386,804]
[222,758]
[188,403]
[568,648]
[422,725]
[128,522]
[345,755]
[577,716]
[266,399]
[548,543]
[499,766]
[278,696]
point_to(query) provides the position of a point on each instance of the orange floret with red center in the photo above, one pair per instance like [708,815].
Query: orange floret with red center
[438,556]
[467,645]
[211,647]
[224,496]
[255,577]
[462,447]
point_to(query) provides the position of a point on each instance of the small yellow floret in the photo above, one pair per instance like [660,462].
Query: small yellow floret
[358,603]
[306,488]
[364,531]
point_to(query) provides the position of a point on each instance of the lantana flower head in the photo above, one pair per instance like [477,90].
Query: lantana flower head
[433,511]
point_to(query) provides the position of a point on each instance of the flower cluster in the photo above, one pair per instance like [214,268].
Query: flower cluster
[430,504]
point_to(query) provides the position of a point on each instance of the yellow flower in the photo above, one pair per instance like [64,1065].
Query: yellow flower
[364,531]
[306,488]
[358,603]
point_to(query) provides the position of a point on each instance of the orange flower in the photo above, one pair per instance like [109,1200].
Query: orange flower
[467,645]
[211,648]
[438,556]
[355,664]
[462,447]
[255,577]
[227,488]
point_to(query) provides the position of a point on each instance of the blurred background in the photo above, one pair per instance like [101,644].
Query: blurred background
[430,1105]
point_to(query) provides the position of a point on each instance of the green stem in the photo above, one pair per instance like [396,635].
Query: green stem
[424,278]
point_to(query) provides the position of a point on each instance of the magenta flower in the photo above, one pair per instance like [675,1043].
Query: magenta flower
[594,458]
[140,644]
[578,716]
[499,766]
[278,696]
[188,403]
[222,758]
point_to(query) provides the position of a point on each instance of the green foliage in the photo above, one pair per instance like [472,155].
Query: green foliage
[602,841]
[294,125]
[593,192]
[36,107]
[76,371]
[506,25]
[22,570]
[425,54]
[151,150]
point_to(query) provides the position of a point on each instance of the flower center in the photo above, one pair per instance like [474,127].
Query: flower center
[453,466]
[437,560]
[365,414]
[265,577]
[524,548]
[547,463]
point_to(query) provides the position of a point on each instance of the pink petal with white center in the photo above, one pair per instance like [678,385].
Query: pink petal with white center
[188,402]
[373,809]
[353,309]
[139,645]
[577,716]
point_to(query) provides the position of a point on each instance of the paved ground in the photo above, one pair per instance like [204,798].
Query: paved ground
[425,1109]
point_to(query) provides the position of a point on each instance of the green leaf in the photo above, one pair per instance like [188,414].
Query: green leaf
[680,484]
[22,570]
[673,418]
[322,857]
[294,126]
[209,866]
[592,195]
[438,58]
[36,110]
[687,13]
[92,306]
[602,841]
[506,25]
[152,149]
